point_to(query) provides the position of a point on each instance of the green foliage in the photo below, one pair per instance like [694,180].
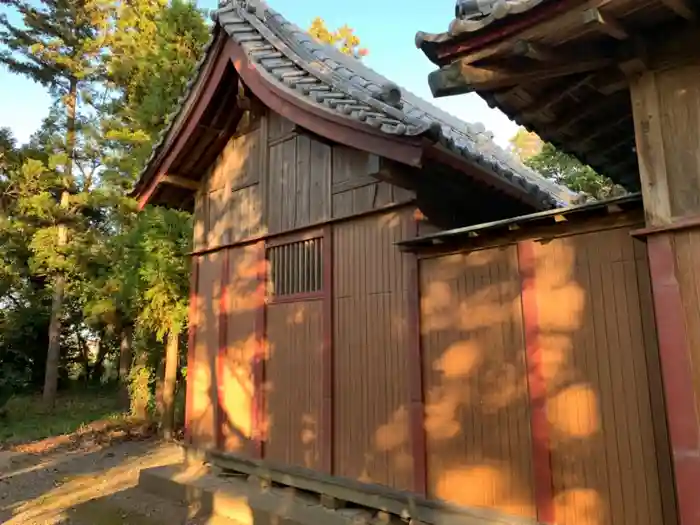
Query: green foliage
[560,167]
[569,171]
[153,56]
[25,420]
[116,71]
[343,38]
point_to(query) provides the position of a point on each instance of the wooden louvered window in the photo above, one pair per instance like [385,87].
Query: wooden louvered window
[296,268]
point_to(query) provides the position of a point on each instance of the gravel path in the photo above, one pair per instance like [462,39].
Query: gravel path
[92,484]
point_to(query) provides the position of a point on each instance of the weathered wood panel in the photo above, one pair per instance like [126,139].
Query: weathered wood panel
[371,394]
[607,444]
[245,214]
[679,112]
[234,366]
[229,208]
[202,372]
[279,127]
[687,255]
[293,393]
[667,116]
[475,381]
[298,185]
[199,241]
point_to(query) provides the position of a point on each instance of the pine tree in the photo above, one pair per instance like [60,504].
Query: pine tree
[60,44]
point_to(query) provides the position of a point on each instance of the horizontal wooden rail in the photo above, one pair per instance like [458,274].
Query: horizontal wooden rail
[403,504]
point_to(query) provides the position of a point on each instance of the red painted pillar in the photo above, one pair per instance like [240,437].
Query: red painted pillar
[537,387]
[258,364]
[221,355]
[327,355]
[191,342]
[676,367]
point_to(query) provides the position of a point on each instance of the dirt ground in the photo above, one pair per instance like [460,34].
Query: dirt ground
[87,483]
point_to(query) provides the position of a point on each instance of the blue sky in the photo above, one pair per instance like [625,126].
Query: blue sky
[385,27]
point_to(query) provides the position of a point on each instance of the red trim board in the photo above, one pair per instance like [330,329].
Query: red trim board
[537,387]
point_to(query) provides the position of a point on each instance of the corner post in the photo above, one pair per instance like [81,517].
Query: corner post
[665,101]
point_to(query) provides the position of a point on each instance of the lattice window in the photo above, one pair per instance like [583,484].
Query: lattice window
[296,268]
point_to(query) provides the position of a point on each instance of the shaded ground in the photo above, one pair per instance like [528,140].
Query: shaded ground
[24,418]
[87,480]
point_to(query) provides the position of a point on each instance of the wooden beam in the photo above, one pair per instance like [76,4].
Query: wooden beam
[538,52]
[605,24]
[583,112]
[534,112]
[460,77]
[180,182]
[601,156]
[565,13]
[681,8]
[609,82]
[599,131]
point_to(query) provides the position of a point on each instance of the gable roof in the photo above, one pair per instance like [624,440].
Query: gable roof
[320,75]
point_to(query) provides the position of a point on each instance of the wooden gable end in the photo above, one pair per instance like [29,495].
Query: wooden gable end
[274,177]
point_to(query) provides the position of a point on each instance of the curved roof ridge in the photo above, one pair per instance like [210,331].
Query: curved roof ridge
[472,136]
[290,57]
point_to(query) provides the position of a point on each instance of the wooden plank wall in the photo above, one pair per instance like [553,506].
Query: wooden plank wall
[229,206]
[236,353]
[609,450]
[475,381]
[293,386]
[299,181]
[596,350]
[370,390]
[273,177]
[354,189]
[679,116]
[202,414]
[687,245]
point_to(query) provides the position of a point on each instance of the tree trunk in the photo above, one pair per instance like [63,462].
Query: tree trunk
[125,355]
[85,356]
[169,382]
[99,368]
[53,354]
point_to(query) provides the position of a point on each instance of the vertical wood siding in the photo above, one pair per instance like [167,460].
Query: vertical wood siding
[299,183]
[354,189]
[609,455]
[605,448]
[235,378]
[475,380]
[371,395]
[293,395]
[687,254]
[229,208]
[202,424]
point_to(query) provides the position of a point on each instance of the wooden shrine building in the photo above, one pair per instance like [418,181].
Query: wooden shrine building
[615,83]
[392,315]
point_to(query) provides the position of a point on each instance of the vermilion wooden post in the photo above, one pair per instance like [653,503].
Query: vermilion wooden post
[191,341]
[258,365]
[326,445]
[676,368]
[415,367]
[221,356]
[539,426]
